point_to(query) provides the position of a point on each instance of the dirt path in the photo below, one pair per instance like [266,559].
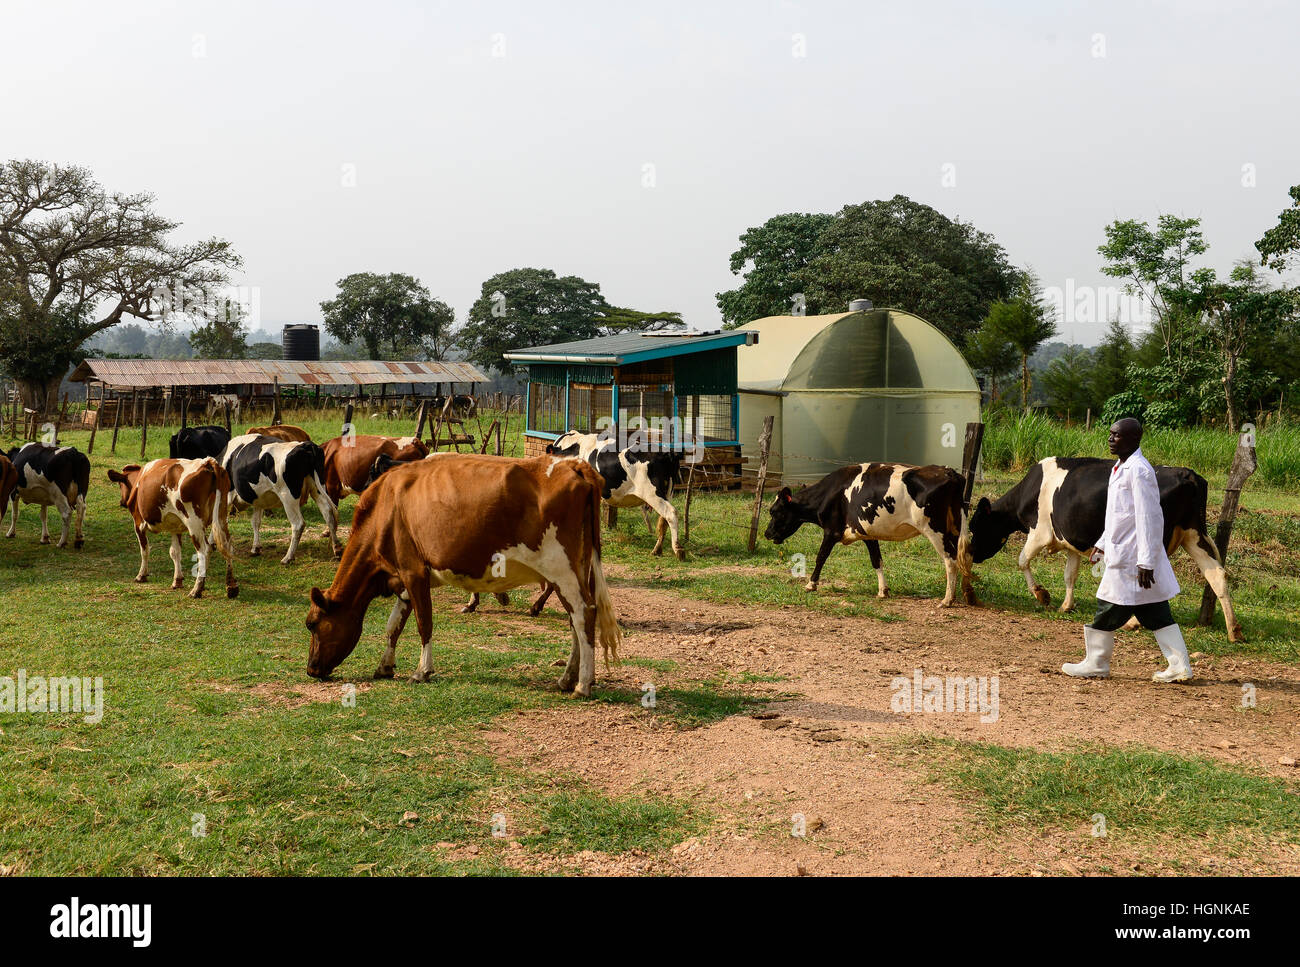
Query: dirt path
[829,753]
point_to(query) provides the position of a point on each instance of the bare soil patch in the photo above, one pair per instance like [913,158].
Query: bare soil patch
[824,745]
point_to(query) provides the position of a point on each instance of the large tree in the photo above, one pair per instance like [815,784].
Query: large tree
[76,260]
[536,307]
[903,254]
[392,313]
[771,257]
[1025,322]
[1282,242]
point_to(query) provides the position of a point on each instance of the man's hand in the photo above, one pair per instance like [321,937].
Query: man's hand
[1145,577]
[1094,555]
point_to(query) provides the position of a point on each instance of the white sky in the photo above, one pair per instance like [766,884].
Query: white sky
[468,164]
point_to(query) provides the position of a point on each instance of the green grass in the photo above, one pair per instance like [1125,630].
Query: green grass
[290,786]
[1144,794]
[1016,443]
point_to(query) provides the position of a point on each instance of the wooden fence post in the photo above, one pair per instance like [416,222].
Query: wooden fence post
[1243,465]
[686,511]
[144,430]
[419,425]
[970,460]
[275,404]
[764,445]
[167,406]
[90,447]
[226,407]
[117,420]
[347,418]
[58,422]
[185,408]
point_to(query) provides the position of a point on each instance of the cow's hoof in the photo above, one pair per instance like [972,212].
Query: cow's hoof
[581,691]
[196,594]
[658,552]
[286,560]
[1235,634]
[503,599]
[1041,596]
[565,683]
[419,676]
[382,672]
[534,612]
[883,594]
[1066,607]
[141,580]
[469,609]
[680,554]
[255,552]
[45,540]
[810,586]
[948,603]
[232,592]
[177,585]
[77,545]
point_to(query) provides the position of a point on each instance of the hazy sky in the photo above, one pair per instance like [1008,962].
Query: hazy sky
[487,136]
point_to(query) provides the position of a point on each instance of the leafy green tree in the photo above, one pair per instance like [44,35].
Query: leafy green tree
[1066,380]
[221,337]
[265,350]
[1157,265]
[536,307]
[1024,321]
[1110,361]
[1281,242]
[76,260]
[393,312]
[771,258]
[990,355]
[904,254]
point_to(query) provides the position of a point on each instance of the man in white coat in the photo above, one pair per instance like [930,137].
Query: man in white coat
[1139,580]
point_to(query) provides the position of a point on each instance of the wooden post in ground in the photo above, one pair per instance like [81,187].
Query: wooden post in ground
[275,404]
[117,420]
[970,460]
[764,446]
[1243,465]
[58,422]
[500,444]
[686,511]
[419,425]
[185,408]
[167,406]
[90,447]
[144,430]
[226,407]
[347,419]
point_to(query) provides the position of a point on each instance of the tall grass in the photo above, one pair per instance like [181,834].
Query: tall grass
[1015,443]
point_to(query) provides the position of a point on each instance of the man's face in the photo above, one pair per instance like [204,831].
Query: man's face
[1124,437]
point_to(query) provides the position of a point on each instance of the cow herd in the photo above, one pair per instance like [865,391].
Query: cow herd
[489,524]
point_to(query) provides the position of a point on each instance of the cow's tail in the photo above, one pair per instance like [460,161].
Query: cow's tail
[221,519]
[606,620]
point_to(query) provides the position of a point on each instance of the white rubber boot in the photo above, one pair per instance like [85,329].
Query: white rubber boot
[1098,647]
[1172,646]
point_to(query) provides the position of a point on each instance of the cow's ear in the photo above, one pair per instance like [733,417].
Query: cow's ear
[117,476]
[318,598]
[983,507]
[785,494]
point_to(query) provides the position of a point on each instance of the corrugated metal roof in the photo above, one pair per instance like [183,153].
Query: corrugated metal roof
[634,346]
[218,372]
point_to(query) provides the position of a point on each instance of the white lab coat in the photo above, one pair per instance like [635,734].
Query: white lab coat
[1134,536]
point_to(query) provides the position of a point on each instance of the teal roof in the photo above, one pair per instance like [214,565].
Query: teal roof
[633,347]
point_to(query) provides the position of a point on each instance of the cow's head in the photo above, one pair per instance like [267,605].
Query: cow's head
[126,478]
[988,531]
[383,463]
[335,631]
[786,517]
[665,469]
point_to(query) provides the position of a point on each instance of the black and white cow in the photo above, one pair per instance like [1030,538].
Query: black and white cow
[633,477]
[55,477]
[266,473]
[197,442]
[1061,505]
[876,502]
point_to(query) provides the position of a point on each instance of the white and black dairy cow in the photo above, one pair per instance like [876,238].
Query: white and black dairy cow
[55,477]
[266,473]
[876,502]
[1061,506]
[634,477]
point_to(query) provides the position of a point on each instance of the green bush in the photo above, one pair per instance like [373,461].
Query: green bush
[1121,405]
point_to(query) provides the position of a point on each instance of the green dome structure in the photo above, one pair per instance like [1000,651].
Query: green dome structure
[853,387]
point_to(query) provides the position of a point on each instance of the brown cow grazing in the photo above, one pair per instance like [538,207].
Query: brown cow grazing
[282,431]
[8,484]
[348,460]
[478,523]
[174,497]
